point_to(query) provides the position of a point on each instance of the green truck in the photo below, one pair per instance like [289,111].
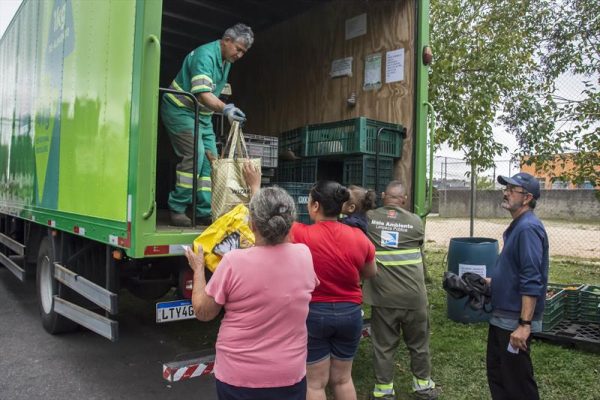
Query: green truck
[84,165]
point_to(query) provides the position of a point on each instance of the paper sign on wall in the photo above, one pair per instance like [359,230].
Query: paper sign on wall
[394,66]
[356,26]
[476,269]
[372,72]
[341,67]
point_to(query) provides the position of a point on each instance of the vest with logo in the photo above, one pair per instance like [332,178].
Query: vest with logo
[400,282]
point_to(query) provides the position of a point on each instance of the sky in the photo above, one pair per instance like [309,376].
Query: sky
[7,9]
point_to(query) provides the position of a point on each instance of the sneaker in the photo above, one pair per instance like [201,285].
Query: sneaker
[427,394]
[180,219]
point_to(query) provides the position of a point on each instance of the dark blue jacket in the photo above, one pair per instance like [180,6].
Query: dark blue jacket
[357,220]
[522,267]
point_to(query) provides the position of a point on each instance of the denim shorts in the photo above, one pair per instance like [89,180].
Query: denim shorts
[334,330]
[230,392]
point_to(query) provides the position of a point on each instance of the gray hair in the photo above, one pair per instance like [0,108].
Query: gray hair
[273,212]
[240,33]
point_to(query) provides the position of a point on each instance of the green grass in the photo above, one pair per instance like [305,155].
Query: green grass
[458,350]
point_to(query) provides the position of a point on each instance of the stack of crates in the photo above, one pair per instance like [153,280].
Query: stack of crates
[265,148]
[554,310]
[590,304]
[299,192]
[344,151]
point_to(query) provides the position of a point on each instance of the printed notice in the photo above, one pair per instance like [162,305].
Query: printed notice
[394,66]
[476,269]
[372,72]
[341,67]
[356,26]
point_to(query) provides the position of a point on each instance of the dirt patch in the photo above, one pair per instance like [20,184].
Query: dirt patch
[566,239]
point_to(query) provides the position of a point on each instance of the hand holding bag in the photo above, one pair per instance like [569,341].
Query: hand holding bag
[229,187]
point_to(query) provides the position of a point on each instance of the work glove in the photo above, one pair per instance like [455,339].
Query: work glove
[233,113]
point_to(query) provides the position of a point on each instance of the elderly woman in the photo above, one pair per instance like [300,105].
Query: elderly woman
[265,290]
[342,255]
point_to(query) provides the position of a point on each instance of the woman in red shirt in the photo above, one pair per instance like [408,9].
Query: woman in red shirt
[342,255]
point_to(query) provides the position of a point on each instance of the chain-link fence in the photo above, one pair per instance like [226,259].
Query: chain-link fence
[571,217]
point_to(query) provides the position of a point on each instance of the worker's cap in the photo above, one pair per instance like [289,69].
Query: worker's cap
[524,180]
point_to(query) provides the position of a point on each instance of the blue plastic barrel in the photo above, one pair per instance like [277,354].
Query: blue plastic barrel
[470,254]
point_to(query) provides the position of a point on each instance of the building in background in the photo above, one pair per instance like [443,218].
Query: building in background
[550,175]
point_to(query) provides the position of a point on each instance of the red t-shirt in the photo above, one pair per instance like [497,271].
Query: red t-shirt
[339,252]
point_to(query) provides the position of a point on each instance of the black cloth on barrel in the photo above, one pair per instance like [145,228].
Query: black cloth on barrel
[471,285]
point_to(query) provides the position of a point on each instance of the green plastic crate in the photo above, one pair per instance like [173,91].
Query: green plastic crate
[304,170]
[354,136]
[299,192]
[555,302]
[571,300]
[293,140]
[360,170]
[549,321]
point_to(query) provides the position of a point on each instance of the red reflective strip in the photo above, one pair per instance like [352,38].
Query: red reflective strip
[209,368]
[167,373]
[76,229]
[153,250]
[189,371]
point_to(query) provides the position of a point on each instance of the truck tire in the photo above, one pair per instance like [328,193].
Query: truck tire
[47,287]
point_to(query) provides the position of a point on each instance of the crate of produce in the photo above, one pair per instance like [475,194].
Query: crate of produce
[361,171]
[299,192]
[304,170]
[572,294]
[354,136]
[264,147]
[292,142]
[551,319]
[555,299]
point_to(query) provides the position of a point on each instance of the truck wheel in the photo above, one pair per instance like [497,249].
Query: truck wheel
[47,287]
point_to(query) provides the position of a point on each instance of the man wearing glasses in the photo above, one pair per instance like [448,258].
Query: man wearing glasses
[518,293]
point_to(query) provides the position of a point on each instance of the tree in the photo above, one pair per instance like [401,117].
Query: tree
[496,64]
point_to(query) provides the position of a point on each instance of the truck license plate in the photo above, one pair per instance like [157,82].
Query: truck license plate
[178,310]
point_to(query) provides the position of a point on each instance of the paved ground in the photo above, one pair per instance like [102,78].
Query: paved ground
[36,365]
[568,239]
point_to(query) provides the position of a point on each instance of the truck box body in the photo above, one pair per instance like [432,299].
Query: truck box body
[82,150]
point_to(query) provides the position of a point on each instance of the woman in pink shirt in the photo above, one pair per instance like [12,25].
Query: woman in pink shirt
[265,290]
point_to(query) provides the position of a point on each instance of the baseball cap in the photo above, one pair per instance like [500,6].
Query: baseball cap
[524,180]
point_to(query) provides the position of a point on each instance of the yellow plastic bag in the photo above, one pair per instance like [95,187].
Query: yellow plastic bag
[230,231]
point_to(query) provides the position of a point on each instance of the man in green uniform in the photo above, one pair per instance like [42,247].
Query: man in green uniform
[397,295]
[204,73]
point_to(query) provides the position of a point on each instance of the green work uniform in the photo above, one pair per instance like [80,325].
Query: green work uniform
[398,297]
[203,70]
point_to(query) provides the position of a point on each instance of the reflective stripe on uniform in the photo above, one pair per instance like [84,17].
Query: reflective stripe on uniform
[185,180]
[180,100]
[204,184]
[399,257]
[202,82]
[381,390]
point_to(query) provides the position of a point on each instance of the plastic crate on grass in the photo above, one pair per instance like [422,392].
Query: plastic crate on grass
[572,294]
[353,136]
[589,307]
[264,147]
[554,309]
[361,171]
[299,192]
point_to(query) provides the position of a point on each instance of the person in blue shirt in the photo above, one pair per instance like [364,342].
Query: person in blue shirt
[518,285]
[204,73]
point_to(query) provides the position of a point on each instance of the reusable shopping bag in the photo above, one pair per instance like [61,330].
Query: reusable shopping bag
[229,187]
[230,231]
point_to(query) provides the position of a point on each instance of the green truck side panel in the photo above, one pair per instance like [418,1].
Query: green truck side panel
[78,119]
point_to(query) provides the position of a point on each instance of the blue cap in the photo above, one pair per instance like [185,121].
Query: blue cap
[524,180]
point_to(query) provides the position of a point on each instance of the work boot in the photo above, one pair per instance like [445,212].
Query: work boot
[180,219]
[204,221]
[427,394]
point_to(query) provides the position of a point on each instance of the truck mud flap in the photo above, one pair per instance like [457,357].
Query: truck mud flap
[8,261]
[98,295]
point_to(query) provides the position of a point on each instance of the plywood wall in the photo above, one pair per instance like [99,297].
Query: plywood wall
[283,82]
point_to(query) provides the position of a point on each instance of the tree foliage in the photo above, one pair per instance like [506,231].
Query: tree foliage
[497,63]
